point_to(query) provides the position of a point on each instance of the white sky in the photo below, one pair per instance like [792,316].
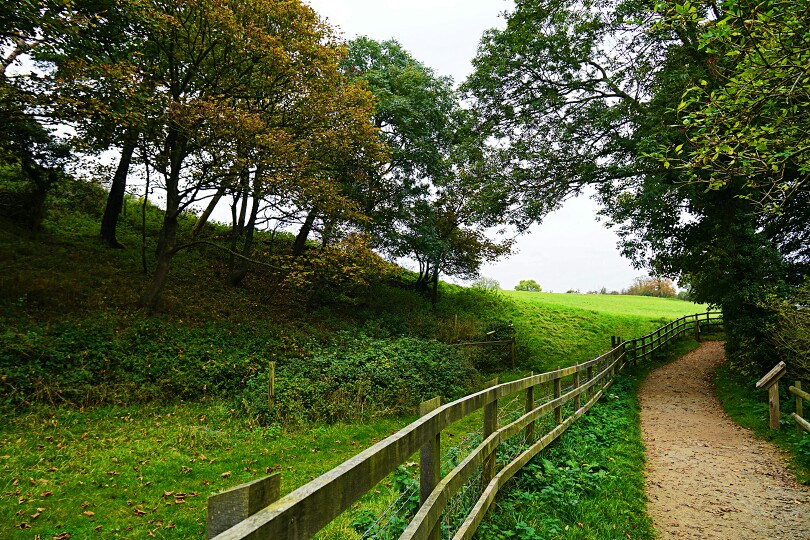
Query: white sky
[570,249]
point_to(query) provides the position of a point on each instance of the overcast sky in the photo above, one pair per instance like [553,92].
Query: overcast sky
[570,249]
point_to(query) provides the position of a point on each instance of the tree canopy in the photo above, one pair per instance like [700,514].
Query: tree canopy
[581,94]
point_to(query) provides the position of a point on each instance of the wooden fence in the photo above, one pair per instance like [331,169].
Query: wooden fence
[770,382]
[254,511]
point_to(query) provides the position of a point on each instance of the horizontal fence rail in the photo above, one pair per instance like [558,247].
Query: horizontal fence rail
[564,395]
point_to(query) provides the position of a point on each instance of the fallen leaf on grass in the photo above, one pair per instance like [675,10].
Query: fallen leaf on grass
[139,513]
[98,529]
[35,516]
[88,513]
[24,526]
[62,536]
[225,474]
[46,493]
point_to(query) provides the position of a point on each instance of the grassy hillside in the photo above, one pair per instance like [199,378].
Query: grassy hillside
[562,329]
[638,306]
[123,423]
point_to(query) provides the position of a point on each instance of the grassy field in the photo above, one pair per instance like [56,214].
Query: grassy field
[562,329]
[117,423]
[147,470]
[637,306]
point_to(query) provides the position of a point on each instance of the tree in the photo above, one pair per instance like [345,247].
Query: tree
[486,284]
[587,95]
[31,158]
[751,126]
[648,286]
[237,101]
[528,285]
[426,203]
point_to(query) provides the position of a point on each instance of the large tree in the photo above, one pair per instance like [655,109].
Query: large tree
[586,94]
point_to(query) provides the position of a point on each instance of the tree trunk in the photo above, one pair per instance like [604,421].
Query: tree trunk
[115,200]
[434,297]
[239,223]
[203,219]
[168,241]
[241,270]
[301,239]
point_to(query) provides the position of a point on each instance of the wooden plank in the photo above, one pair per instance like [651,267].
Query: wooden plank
[773,405]
[490,427]
[772,376]
[430,461]
[804,424]
[798,392]
[227,508]
[529,406]
[558,409]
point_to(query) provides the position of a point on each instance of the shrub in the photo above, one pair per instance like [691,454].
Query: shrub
[359,377]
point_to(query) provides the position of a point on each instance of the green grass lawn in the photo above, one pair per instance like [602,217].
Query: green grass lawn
[562,329]
[639,306]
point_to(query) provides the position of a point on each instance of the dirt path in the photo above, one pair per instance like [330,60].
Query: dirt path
[706,476]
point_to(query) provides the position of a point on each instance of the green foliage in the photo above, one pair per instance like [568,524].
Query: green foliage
[751,125]
[358,376]
[647,286]
[486,284]
[528,285]
[572,103]
[590,484]
[790,333]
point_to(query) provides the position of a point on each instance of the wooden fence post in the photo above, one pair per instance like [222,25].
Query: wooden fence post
[430,461]
[589,374]
[771,382]
[512,352]
[577,400]
[697,327]
[635,353]
[799,407]
[271,384]
[530,407]
[490,426]
[558,408]
[234,505]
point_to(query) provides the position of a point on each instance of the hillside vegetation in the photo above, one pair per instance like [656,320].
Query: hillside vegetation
[107,408]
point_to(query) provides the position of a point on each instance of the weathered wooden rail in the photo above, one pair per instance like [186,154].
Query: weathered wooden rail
[308,509]
[770,382]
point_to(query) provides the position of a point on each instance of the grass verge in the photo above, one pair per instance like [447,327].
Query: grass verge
[590,483]
[748,407]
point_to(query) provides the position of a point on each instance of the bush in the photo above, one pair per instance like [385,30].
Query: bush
[359,377]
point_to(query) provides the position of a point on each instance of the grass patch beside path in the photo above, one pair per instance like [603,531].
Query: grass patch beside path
[121,471]
[590,483]
[748,407]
